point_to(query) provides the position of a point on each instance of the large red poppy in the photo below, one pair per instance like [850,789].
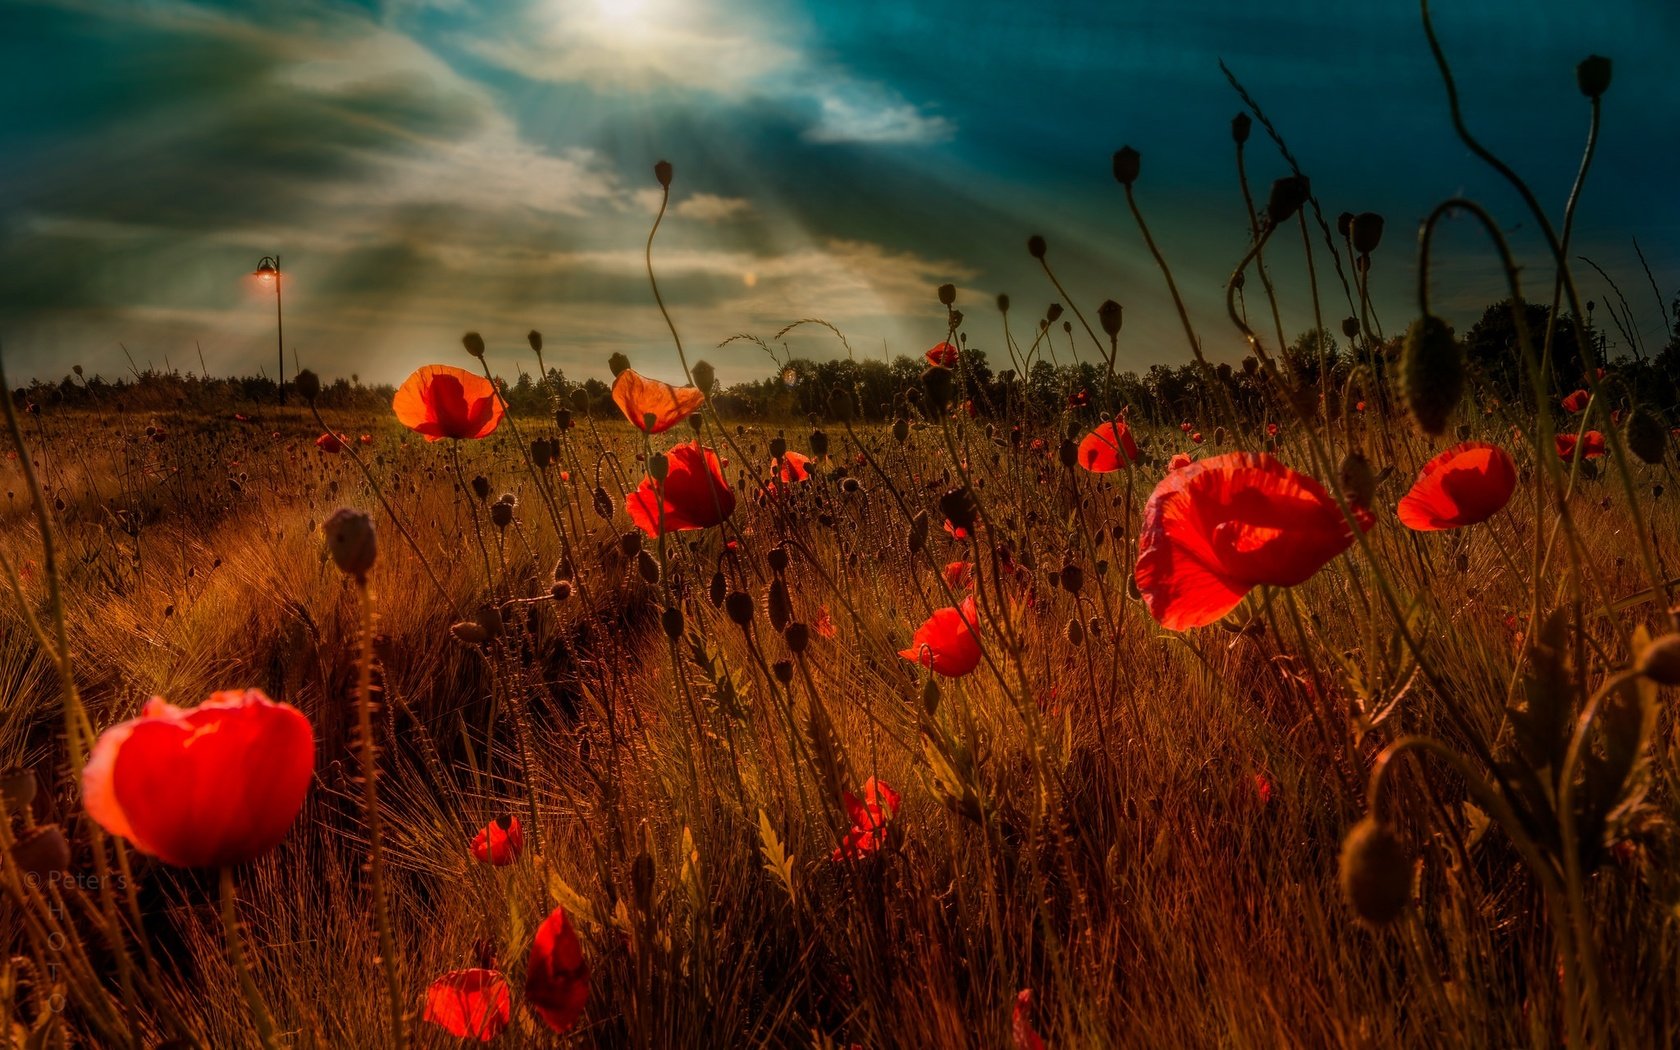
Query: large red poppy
[1464,485]
[948,641]
[693,495]
[944,355]
[870,816]
[202,787]
[793,467]
[470,1004]
[1108,448]
[1591,445]
[639,397]
[442,401]
[1219,527]
[557,974]
[499,843]
[1577,402]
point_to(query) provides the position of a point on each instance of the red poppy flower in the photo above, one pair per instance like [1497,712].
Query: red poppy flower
[693,495]
[366,439]
[1576,402]
[1216,529]
[957,531]
[870,817]
[1080,399]
[1180,459]
[470,1004]
[1592,445]
[1271,430]
[1021,1023]
[1185,426]
[1108,448]
[442,401]
[959,575]
[639,397]
[1196,437]
[944,355]
[1464,485]
[557,974]
[825,623]
[947,642]
[202,787]
[794,467]
[500,842]
[332,444]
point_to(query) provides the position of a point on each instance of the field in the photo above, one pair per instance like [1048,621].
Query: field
[1322,700]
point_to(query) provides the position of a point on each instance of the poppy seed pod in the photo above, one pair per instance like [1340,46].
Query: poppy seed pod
[1241,124]
[797,636]
[1592,76]
[561,591]
[534,337]
[1036,247]
[1287,196]
[1053,312]
[618,363]
[738,606]
[1376,872]
[1127,162]
[1002,303]
[704,376]
[1350,327]
[501,514]
[778,559]
[1344,223]
[308,384]
[662,172]
[1108,315]
[940,385]
[1366,231]
[350,540]
[1072,579]
[1431,373]
[1660,662]
[17,788]
[1645,436]
[819,443]
[947,294]
[474,344]
[659,467]
[481,487]
[647,567]
[841,406]
[783,670]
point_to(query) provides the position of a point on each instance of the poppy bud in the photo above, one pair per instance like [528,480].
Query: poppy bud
[704,376]
[901,430]
[350,541]
[542,453]
[501,514]
[939,385]
[717,589]
[779,605]
[1366,231]
[580,400]
[1431,373]
[778,559]
[490,619]
[956,322]
[1036,246]
[1108,315]
[1592,76]
[738,606]
[1288,194]
[1350,327]
[672,620]
[602,503]
[469,633]
[1126,163]
[561,590]
[481,487]
[1075,632]
[17,788]
[797,636]
[42,852]
[959,509]
[308,384]
[1359,481]
[618,363]
[918,531]
[783,670]
[1376,872]
[1645,436]
[534,337]
[1068,453]
[1240,126]
[474,344]
[1002,303]
[1073,579]
[659,467]
[1053,313]
[947,294]
[819,443]
[1344,223]
[1660,662]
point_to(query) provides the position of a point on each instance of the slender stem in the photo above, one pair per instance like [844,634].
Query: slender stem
[260,1016]
[370,796]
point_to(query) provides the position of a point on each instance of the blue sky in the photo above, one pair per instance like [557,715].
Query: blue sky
[431,166]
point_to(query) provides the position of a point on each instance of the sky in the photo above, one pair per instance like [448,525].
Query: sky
[428,167]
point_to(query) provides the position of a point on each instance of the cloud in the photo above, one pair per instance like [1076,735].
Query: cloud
[873,116]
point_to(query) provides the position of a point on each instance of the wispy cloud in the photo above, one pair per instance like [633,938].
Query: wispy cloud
[875,116]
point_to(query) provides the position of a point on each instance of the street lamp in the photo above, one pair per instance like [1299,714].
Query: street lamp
[268,269]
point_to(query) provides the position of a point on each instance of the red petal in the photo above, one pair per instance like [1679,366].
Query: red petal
[473,1004]
[557,975]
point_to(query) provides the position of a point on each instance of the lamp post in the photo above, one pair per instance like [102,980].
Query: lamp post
[268,269]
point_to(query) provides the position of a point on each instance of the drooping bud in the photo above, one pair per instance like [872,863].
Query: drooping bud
[474,344]
[1127,162]
[1592,76]
[1108,315]
[350,541]
[1350,327]
[901,430]
[1288,194]
[1376,872]
[778,604]
[1431,373]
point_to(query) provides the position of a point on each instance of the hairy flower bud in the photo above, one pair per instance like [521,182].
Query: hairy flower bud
[1431,373]
[1036,247]
[1287,196]
[1127,162]
[662,172]
[534,337]
[1376,872]
[350,541]
[1366,231]
[1645,436]
[1592,76]
[947,294]
[1109,315]
[704,376]
[474,344]
[618,363]
[308,384]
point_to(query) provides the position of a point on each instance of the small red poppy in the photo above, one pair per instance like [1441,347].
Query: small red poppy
[1466,484]
[1577,402]
[1591,445]
[957,531]
[1080,399]
[1216,529]
[500,842]
[442,401]
[694,494]
[1271,430]
[959,575]
[870,817]
[557,974]
[332,444]
[947,641]
[639,397]
[1108,448]
[470,1004]
[1196,437]
[793,467]
[1180,459]
[202,787]
[944,355]
[366,439]
[1021,1029]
